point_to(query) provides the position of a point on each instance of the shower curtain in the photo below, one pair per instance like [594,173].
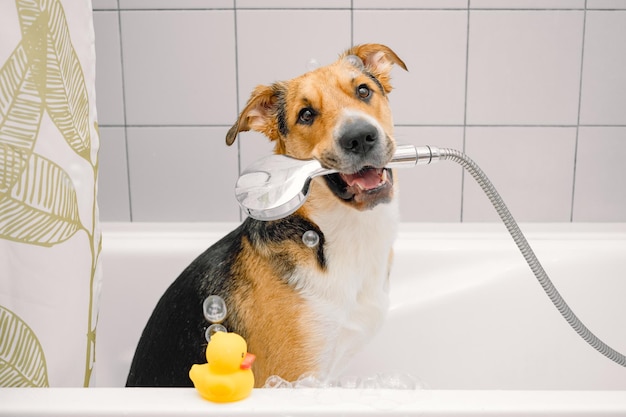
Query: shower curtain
[49,233]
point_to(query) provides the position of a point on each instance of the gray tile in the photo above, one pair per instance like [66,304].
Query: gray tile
[524,67]
[104,4]
[176,4]
[603,98]
[430,193]
[266,53]
[606,4]
[182,174]
[410,4]
[527,4]
[600,192]
[113,200]
[531,167]
[179,67]
[433,46]
[109,94]
[293,4]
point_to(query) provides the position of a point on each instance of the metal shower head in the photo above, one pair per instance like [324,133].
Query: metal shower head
[277,185]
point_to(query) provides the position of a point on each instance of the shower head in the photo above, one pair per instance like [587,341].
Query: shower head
[277,185]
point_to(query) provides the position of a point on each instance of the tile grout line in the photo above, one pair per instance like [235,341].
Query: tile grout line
[237,103]
[441,9]
[351,23]
[424,125]
[580,96]
[577,126]
[467,41]
[124,110]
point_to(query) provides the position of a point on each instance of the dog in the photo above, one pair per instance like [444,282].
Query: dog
[302,309]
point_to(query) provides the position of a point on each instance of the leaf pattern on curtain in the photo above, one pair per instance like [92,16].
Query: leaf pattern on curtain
[22,361]
[42,208]
[20,116]
[50,50]
[38,201]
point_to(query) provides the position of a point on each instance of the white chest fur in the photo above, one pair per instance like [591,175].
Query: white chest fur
[350,299]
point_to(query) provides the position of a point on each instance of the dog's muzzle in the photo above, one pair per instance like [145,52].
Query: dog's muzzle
[362,180]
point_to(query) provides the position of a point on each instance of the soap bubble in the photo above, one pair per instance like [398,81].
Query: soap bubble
[348,381]
[275,382]
[214,309]
[310,238]
[212,329]
[307,380]
[312,64]
[311,380]
[399,380]
[370,382]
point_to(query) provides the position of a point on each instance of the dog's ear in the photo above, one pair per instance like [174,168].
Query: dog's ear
[378,59]
[260,113]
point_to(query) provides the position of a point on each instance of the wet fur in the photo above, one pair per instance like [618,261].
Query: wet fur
[300,309]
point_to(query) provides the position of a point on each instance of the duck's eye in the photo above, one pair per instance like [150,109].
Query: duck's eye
[363,91]
[306,116]
[243,355]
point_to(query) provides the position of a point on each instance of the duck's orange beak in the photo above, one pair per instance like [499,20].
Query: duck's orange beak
[248,360]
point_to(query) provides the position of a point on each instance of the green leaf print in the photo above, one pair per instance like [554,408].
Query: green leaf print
[42,208]
[22,362]
[20,116]
[62,84]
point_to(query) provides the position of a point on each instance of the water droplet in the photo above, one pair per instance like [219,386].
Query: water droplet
[312,64]
[310,238]
[212,329]
[214,309]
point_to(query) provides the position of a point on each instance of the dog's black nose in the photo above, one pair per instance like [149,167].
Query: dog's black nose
[358,137]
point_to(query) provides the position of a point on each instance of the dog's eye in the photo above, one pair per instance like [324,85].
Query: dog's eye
[363,91]
[306,116]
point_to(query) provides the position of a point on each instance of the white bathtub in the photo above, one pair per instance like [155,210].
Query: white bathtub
[467,317]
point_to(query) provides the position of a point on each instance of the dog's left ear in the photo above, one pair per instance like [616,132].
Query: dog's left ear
[260,113]
[378,59]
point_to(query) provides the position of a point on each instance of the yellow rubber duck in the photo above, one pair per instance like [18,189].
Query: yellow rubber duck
[227,376]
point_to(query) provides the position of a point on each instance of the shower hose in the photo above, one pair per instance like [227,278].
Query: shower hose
[526,250]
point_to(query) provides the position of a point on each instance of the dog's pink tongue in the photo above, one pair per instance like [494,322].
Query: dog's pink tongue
[367,179]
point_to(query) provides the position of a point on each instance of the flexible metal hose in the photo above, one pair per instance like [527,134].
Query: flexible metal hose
[527,252]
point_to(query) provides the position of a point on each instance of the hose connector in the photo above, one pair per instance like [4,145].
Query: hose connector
[408,156]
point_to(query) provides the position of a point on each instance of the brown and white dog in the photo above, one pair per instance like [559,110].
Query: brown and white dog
[301,309]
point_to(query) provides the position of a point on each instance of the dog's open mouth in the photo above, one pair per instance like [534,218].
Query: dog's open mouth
[366,188]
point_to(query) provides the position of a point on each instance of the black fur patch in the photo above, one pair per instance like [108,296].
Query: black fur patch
[290,228]
[281,111]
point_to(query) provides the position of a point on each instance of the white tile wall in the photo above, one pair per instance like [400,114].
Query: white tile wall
[179,68]
[534,91]
[113,190]
[433,45]
[524,67]
[181,173]
[431,192]
[604,85]
[109,70]
[531,167]
[600,193]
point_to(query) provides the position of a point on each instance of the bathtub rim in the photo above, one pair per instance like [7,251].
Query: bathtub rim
[309,402]
[213,231]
